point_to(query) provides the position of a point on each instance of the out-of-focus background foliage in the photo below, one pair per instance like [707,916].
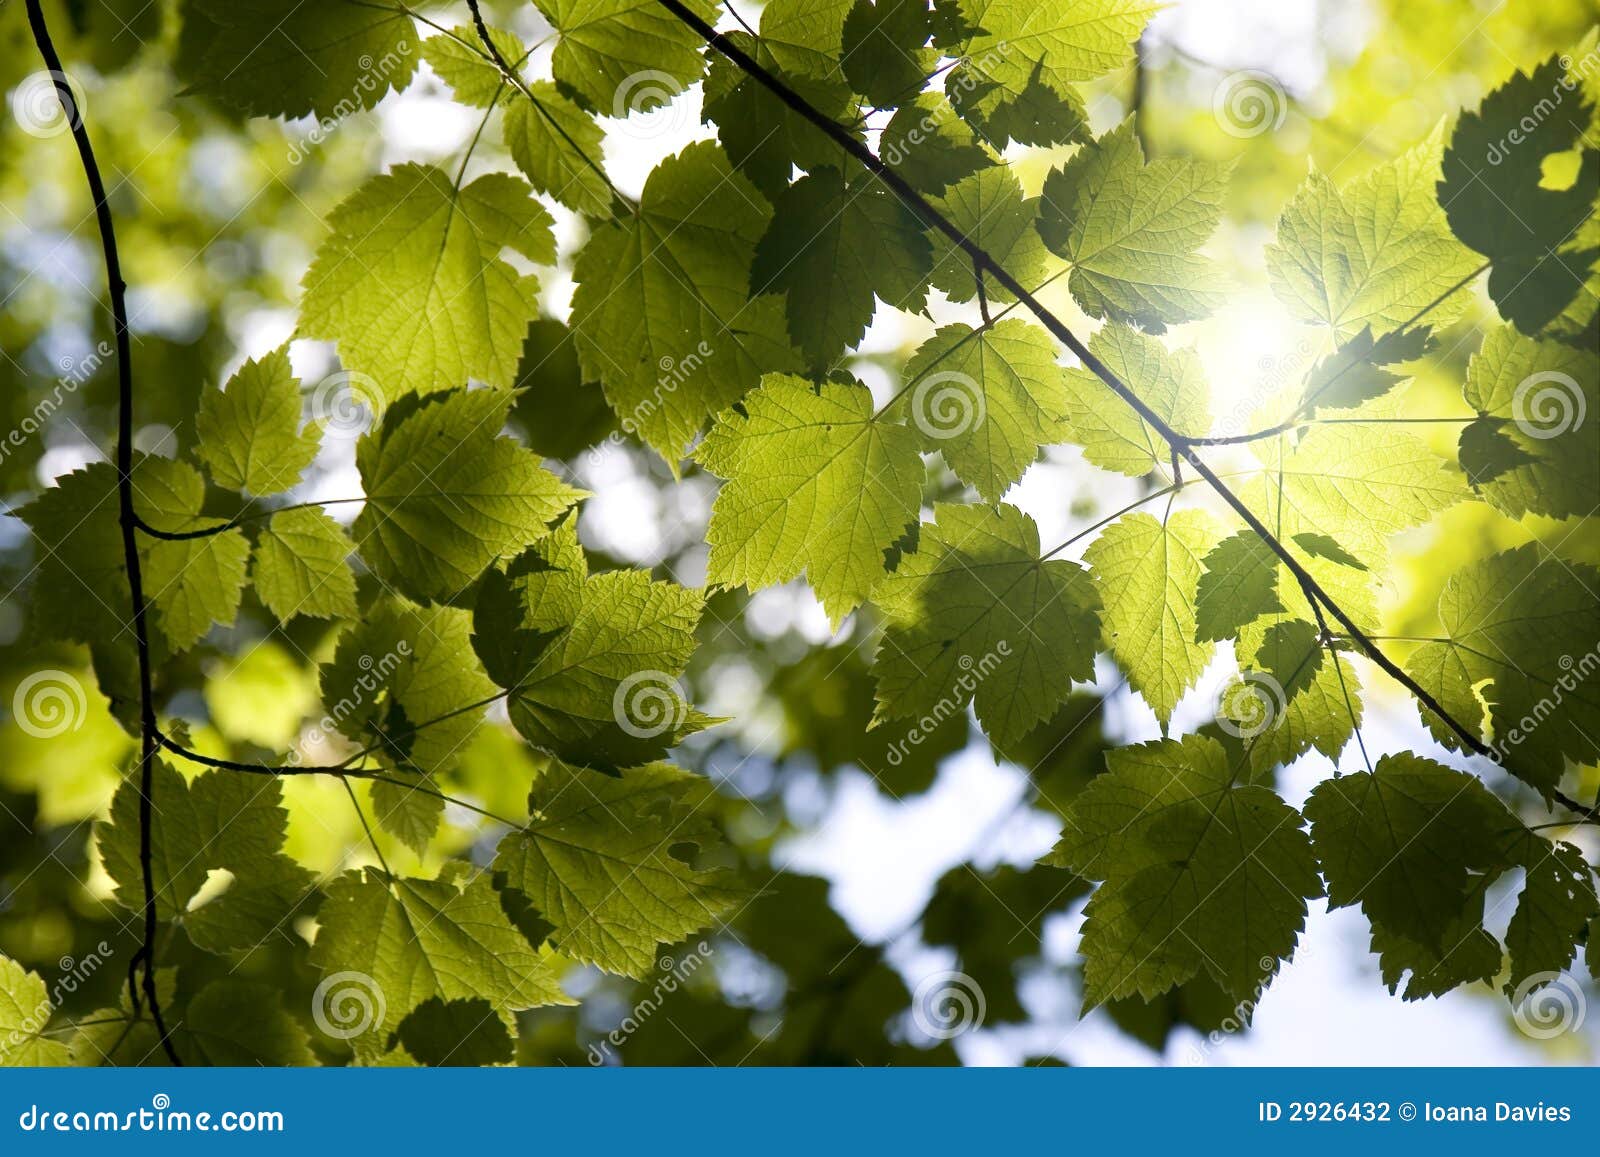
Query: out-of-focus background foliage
[885,867]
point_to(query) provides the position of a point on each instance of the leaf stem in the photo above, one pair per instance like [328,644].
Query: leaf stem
[362,816]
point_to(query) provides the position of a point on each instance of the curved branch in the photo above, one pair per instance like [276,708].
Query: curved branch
[126,518]
[1182,447]
[338,770]
[237,520]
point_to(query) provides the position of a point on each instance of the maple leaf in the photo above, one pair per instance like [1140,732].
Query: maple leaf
[609,862]
[1131,229]
[662,315]
[816,482]
[1374,254]
[411,284]
[976,614]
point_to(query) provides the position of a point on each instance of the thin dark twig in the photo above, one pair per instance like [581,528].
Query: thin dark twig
[514,78]
[237,520]
[127,519]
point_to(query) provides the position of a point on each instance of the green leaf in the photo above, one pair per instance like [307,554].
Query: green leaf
[1354,373]
[1373,255]
[1540,399]
[191,583]
[1440,670]
[457,56]
[1409,842]
[1147,573]
[561,410]
[409,815]
[816,482]
[592,662]
[447,495]
[1034,115]
[1240,584]
[1468,955]
[556,144]
[242,1023]
[410,940]
[610,862]
[1417,845]
[930,146]
[25,1010]
[1557,903]
[1515,620]
[1172,383]
[883,49]
[1492,191]
[406,681]
[1342,481]
[976,615]
[764,138]
[558,148]
[1011,49]
[832,247]
[81,586]
[608,48]
[989,208]
[1201,875]
[411,285]
[662,315]
[805,36]
[249,433]
[1131,230]
[218,821]
[300,566]
[988,399]
[1292,653]
[1326,546]
[458,1033]
[1292,696]
[288,58]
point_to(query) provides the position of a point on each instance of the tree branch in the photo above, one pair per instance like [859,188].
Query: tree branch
[127,519]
